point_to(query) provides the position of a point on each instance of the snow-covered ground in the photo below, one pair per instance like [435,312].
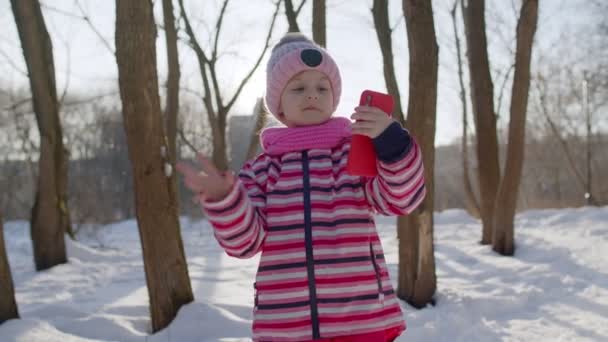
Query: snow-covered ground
[555,288]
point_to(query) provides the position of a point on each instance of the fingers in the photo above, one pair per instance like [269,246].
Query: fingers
[207,165]
[364,125]
[230,178]
[193,179]
[186,170]
[209,182]
[369,116]
[368,109]
[194,184]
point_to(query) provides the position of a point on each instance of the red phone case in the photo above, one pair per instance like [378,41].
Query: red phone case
[362,156]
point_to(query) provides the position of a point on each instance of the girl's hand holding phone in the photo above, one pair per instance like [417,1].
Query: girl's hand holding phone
[370,121]
[372,118]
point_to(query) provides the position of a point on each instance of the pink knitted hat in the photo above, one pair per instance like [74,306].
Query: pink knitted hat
[293,54]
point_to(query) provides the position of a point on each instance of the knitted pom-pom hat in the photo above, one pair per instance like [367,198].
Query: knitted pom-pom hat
[293,54]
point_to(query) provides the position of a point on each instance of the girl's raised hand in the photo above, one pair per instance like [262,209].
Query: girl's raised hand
[210,183]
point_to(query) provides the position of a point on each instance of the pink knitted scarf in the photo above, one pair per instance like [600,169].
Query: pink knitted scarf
[279,140]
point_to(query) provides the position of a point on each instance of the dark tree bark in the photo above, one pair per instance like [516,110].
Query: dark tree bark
[155,199]
[319,31]
[384,33]
[472,205]
[50,215]
[8,305]
[506,199]
[292,16]
[417,281]
[482,98]
[172,106]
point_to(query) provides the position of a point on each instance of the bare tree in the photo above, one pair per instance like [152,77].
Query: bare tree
[172,106]
[482,98]
[213,99]
[8,305]
[417,281]
[541,89]
[155,198]
[384,33]
[50,215]
[319,34]
[472,204]
[292,15]
[506,199]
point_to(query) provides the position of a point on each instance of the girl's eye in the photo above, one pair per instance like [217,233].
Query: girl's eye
[298,89]
[323,89]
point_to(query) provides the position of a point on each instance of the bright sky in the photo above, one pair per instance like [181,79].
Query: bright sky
[86,66]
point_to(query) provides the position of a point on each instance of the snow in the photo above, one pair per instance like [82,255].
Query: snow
[555,288]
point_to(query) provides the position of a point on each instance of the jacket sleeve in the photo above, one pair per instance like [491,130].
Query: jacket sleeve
[399,186]
[239,220]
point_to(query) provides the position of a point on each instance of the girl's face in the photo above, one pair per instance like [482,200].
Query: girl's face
[306,100]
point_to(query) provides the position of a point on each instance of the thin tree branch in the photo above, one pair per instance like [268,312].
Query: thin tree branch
[300,8]
[182,136]
[246,79]
[218,28]
[68,74]
[60,11]
[10,62]
[502,88]
[292,16]
[90,99]
[543,105]
[202,62]
[86,18]
[397,23]
[192,92]
[471,198]
[216,89]
[17,104]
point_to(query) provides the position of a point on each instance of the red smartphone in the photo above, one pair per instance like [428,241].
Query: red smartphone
[362,156]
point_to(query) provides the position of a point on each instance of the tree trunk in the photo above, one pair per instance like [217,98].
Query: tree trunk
[8,305]
[50,215]
[384,33]
[589,197]
[319,34]
[471,204]
[506,199]
[482,98]
[220,153]
[155,201]
[261,115]
[172,107]
[292,17]
[417,281]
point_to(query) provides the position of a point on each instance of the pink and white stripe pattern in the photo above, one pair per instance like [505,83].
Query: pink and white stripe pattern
[322,271]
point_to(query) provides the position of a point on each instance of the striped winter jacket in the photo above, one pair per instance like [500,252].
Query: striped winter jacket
[322,271]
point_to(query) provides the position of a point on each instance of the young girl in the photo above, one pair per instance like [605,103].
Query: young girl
[322,273]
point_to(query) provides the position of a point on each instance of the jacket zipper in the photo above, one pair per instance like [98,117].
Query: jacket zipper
[377,272]
[255,296]
[310,264]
